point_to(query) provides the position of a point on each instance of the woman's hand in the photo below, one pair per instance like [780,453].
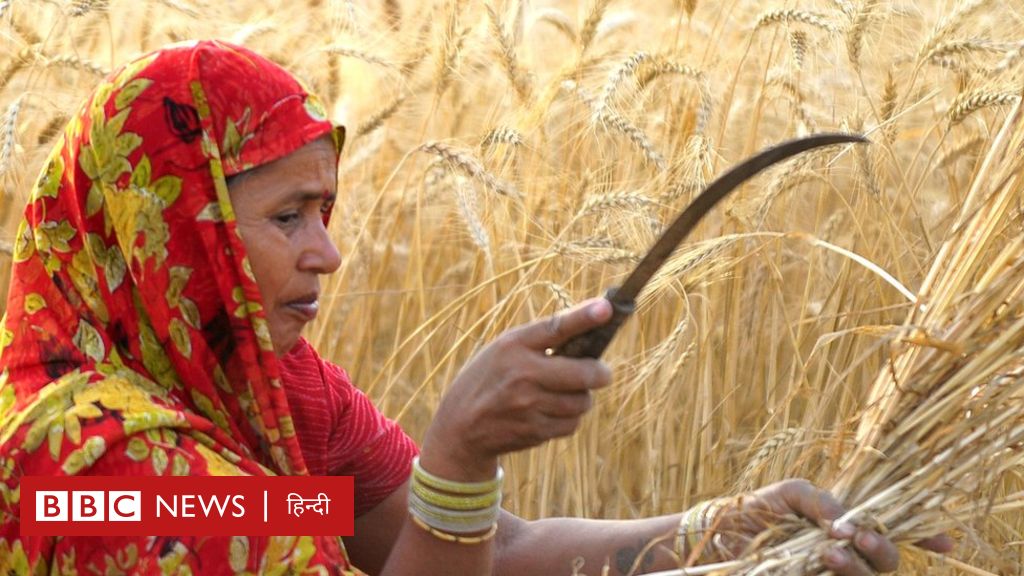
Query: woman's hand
[513,395]
[744,518]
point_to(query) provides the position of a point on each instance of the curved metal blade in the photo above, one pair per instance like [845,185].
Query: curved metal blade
[593,343]
[711,196]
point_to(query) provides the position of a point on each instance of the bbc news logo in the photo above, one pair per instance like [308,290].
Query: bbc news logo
[201,506]
[88,506]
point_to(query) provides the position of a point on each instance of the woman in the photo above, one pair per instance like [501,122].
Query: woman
[168,260]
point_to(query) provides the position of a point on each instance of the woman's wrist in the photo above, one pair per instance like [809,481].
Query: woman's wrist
[446,456]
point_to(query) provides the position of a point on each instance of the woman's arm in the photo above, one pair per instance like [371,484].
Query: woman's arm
[556,545]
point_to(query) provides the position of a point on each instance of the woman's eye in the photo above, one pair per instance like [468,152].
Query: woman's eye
[287,218]
[326,206]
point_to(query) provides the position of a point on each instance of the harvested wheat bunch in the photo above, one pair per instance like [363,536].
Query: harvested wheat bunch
[943,424]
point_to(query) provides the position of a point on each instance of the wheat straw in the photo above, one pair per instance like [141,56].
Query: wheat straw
[7,135]
[466,163]
[967,104]
[789,16]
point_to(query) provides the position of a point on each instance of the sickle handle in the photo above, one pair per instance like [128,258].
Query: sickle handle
[592,344]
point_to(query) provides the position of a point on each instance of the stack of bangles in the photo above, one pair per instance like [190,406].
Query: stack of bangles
[694,527]
[460,512]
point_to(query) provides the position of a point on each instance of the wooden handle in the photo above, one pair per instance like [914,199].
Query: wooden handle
[592,344]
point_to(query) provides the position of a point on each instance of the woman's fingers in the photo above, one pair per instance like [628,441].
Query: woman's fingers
[844,563]
[813,503]
[557,330]
[567,375]
[942,544]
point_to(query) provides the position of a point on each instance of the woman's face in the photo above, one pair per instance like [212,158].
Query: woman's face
[279,208]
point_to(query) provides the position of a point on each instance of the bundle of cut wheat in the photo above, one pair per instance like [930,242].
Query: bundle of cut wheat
[945,418]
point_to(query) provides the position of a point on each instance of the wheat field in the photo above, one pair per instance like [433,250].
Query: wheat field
[509,158]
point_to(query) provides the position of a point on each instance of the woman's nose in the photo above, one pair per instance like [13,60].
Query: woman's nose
[320,255]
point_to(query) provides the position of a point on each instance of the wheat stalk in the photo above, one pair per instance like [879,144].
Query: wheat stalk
[75,62]
[855,33]
[7,135]
[466,201]
[949,24]
[558,20]
[787,16]
[51,128]
[466,163]
[508,56]
[502,135]
[589,28]
[562,296]
[359,55]
[181,7]
[969,103]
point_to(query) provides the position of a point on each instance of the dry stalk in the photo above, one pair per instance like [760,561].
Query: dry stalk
[466,201]
[627,69]
[450,47]
[692,173]
[251,32]
[27,34]
[614,200]
[77,63]
[968,149]
[971,102]
[789,16]
[502,135]
[181,7]
[393,14]
[469,165]
[846,7]
[1012,57]
[596,250]
[798,44]
[24,57]
[949,24]
[787,437]
[607,117]
[7,135]
[855,32]
[378,118]
[689,6]
[78,8]
[360,55]
[52,128]
[659,67]
[562,296]
[558,20]
[887,109]
[516,77]
[589,28]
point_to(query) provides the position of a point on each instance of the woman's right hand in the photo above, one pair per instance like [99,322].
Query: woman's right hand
[513,395]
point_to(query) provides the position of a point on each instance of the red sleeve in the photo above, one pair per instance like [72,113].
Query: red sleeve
[341,432]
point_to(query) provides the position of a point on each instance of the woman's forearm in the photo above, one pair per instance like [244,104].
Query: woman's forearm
[556,545]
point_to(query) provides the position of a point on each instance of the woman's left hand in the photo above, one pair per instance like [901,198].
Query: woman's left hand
[742,519]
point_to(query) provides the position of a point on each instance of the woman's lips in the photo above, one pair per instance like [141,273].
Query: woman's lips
[306,309]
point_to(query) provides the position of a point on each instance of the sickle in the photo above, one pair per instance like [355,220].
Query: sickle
[623,298]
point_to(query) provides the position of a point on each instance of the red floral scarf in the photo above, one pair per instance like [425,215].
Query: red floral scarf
[134,340]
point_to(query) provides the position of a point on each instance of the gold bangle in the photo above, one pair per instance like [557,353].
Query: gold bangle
[693,525]
[453,501]
[468,540]
[453,487]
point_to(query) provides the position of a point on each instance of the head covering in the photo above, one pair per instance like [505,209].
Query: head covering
[134,321]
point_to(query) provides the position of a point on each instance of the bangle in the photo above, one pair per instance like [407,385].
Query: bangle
[453,502]
[693,525]
[447,537]
[457,521]
[454,511]
[472,488]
